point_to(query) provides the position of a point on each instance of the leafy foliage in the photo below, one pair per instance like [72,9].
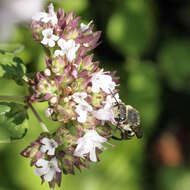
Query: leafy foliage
[174,61]
[13,121]
[12,67]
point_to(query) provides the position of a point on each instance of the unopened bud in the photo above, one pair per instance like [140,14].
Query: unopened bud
[89,89]
[85,45]
[49,112]
[47,72]
[53,100]
[66,99]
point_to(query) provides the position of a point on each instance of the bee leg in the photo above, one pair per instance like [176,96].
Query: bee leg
[121,138]
[126,135]
[116,138]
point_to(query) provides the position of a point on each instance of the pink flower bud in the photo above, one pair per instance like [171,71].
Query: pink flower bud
[47,72]
[53,100]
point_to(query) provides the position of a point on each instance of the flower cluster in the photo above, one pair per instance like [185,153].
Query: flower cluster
[78,92]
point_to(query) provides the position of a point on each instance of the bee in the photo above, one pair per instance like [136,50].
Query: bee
[127,119]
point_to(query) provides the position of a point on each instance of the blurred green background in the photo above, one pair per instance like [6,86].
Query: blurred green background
[148,43]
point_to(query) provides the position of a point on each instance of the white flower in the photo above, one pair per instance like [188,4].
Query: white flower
[102,81]
[49,38]
[84,27]
[110,100]
[49,146]
[82,110]
[105,113]
[79,97]
[88,144]
[47,17]
[47,169]
[68,48]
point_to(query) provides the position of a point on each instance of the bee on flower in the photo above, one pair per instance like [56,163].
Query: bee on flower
[79,96]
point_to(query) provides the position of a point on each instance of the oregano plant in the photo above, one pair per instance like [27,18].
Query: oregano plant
[81,96]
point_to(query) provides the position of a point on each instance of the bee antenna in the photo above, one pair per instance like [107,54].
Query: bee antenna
[114,96]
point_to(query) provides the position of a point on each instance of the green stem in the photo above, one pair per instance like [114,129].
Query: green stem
[43,126]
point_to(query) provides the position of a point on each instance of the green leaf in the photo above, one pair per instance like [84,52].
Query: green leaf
[4,109]
[11,47]
[13,121]
[12,67]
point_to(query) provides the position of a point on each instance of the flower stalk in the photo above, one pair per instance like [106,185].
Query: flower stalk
[43,126]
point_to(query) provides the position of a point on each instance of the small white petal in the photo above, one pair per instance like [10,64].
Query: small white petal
[45,140]
[47,169]
[51,152]
[41,163]
[59,52]
[39,16]
[55,38]
[44,149]
[51,43]
[40,171]
[55,164]
[102,81]
[61,42]
[67,47]
[44,41]
[79,97]
[48,37]
[47,17]
[93,157]
[49,146]
[49,176]
[84,27]
[71,55]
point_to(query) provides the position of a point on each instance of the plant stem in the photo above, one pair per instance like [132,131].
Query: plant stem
[13,98]
[24,99]
[43,126]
